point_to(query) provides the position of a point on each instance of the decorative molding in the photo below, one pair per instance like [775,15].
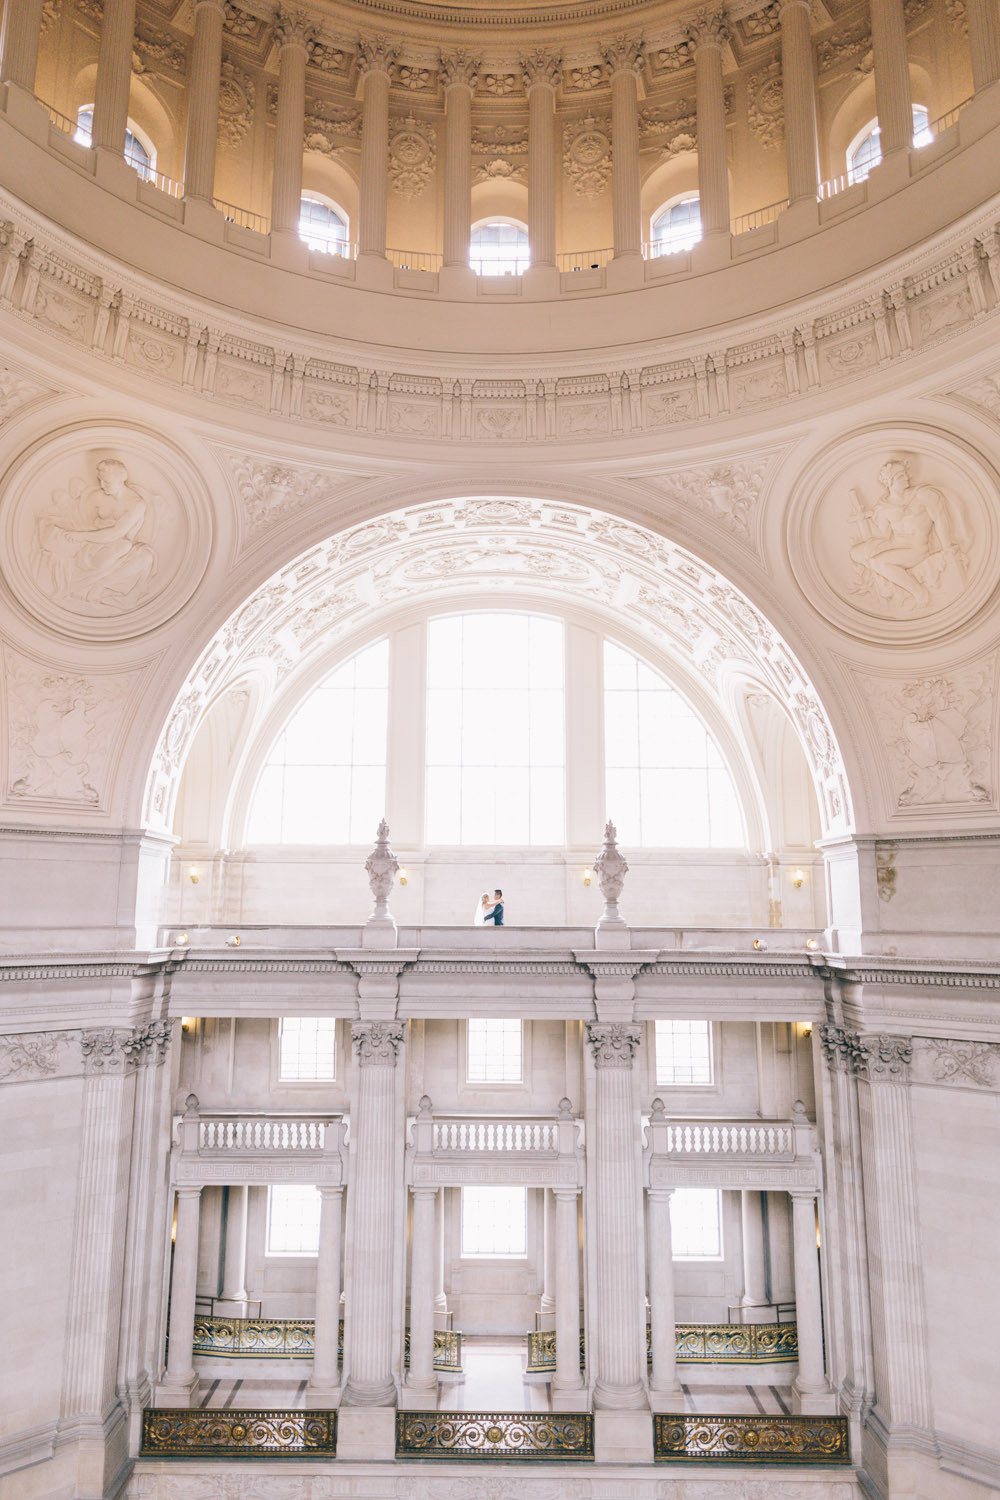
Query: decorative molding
[587,157]
[377,1042]
[709,28]
[613,1045]
[33,1056]
[766,106]
[376,54]
[412,157]
[874,1056]
[237,93]
[293,28]
[256,1434]
[541,66]
[624,54]
[965,1064]
[18,392]
[458,68]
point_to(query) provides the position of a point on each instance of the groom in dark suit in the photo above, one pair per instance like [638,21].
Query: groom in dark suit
[494,913]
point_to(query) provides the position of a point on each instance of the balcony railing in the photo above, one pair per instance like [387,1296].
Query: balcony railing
[257,1135]
[714,1138]
[696,1344]
[295,1338]
[459,1135]
[758,217]
[217,1433]
[244,217]
[415,260]
[495,1434]
[583,260]
[756,1440]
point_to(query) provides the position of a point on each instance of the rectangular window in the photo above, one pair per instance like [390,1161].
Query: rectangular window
[684,1053]
[307,1049]
[494,1052]
[292,1220]
[494,1222]
[696,1223]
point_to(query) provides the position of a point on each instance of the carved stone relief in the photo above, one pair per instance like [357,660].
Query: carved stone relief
[236,101]
[270,491]
[105,533]
[412,157]
[937,735]
[766,106]
[894,538]
[587,157]
[966,1064]
[18,391]
[29,1056]
[728,492]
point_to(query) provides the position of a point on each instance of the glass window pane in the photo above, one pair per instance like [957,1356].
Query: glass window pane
[696,1223]
[494,1221]
[494,1051]
[306,1048]
[684,1053]
[292,1220]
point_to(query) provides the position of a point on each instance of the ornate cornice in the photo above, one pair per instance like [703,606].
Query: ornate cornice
[613,1045]
[377,1042]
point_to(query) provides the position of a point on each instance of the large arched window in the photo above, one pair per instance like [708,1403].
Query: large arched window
[666,784]
[322,225]
[865,151]
[499,247]
[677,226]
[496,738]
[139,151]
[324,780]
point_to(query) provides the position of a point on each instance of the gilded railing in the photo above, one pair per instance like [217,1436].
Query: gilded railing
[447,1349]
[697,1344]
[295,1338]
[494,1434]
[751,1440]
[213,1433]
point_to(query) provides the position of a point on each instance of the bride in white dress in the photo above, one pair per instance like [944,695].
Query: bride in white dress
[479,918]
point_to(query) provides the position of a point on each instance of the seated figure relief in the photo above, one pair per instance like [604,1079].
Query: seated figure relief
[911,548]
[92,543]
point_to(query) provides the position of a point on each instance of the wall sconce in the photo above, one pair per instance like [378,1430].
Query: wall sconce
[193,875]
[807,1028]
[187,1024]
[234,941]
[180,939]
[760,945]
[403,877]
[588,876]
[798,878]
[812,944]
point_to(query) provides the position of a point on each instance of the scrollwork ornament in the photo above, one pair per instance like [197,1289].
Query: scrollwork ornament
[613,1045]
[875,1056]
[376,55]
[541,67]
[412,157]
[293,28]
[623,55]
[459,67]
[108,1050]
[962,1062]
[708,28]
[377,1043]
[587,157]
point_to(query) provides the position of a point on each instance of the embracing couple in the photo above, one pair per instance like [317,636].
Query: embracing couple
[489,913]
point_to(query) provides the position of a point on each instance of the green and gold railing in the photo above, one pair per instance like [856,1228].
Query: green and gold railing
[697,1344]
[495,1434]
[295,1338]
[179,1432]
[755,1440]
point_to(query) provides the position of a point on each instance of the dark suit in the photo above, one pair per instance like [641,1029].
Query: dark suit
[494,915]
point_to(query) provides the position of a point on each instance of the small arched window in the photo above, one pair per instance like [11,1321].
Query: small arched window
[865,151]
[139,151]
[677,226]
[322,225]
[499,247]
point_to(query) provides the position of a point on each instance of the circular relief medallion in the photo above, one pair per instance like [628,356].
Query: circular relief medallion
[106,531]
[893,536]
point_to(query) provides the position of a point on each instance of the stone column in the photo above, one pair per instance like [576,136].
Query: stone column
[798,82]
[183,1287]
[624,61]
[662,1314]
[294,36]
[440,1297]
[203,100]
[549,1252]
[376,60]
[892,75]
[621,1334]
[422,1258]
[708,35]
[114,75]
[325,1373]
[234,1263]
[541,79]
[20,29]
[754,1267]
[984,42]
[567,1375]
[459,72]
[369,1355]
[811,1379]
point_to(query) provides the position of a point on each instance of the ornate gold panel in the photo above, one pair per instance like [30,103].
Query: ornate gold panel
[494,1434]
[742,1440]
[183,1433]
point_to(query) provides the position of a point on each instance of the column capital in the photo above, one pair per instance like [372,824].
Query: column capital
[877,1057]
[623,54]
[112,1049]
[376,55]
[188,1189]
[541,68]
[785,5]
[222,6]
[614,1045]
[458,69]
[293,28]
[709,28]
[377,1042]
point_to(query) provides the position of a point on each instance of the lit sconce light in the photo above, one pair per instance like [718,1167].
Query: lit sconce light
[234,941]
[807,1028]
[760,945]
[588,876]
[812,944]
[403,877]
[187,1023]
[180,939]
[193,875]
[798,878]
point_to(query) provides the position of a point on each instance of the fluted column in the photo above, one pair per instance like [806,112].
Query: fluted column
[754,1268]
[624,61]
[567,1375]
[811,1379]
[892,75]
[798,82]
[621,1334]
[114,75]
[422,1257]
[20,29]
[325,1373]
[294,35]
[369,1358]
[376,60]
[458,73]
[440,1298]
[708,35]
[541,79]
[662,1313]
[549,1275]
[984,41]
[203,100]
[234,1264]
[183,1288]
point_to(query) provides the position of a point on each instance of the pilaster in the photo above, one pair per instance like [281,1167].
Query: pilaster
[892,75]
[295,35]
[114,75]
[459,72]
[376,61]
[798,80]
[707,36]
[541,74]
[623,58]
[203,100]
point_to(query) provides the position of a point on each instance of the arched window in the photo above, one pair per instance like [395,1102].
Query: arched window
[666,784]
[865,151]
[139,152]
[677,226]
[499,247]
[324,780]
[322,225]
